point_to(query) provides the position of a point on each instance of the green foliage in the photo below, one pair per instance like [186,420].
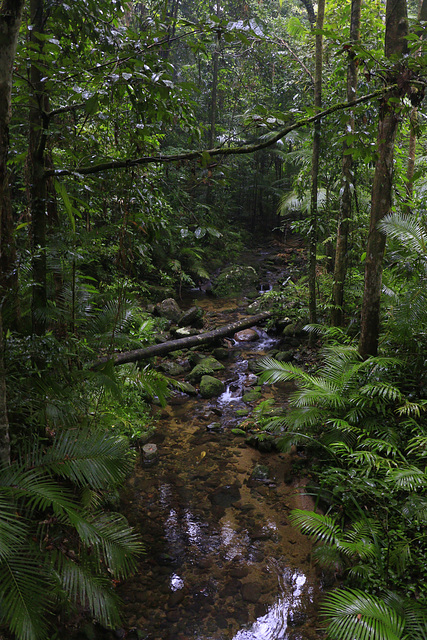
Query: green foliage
[58,546]
[369,441]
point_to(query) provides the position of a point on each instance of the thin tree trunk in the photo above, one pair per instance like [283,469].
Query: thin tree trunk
[38,192]
[340,266]
[315,165]
[381,200]
[410,170]
[10,20]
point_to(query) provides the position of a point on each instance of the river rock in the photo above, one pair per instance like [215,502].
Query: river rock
[247,335]
[221,353]
[235,279]
[206,367]
[211,387]
[188,388]
[193,317]
[252,396]
[251,592]
[225,496]
[169,309]
[294,329]
[284,356]
[171,368]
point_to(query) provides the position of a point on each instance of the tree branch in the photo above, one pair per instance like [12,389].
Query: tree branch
[219,151]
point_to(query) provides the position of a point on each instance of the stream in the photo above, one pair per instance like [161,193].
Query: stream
[222,561]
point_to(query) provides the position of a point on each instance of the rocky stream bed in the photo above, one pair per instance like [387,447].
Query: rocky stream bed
[222,561]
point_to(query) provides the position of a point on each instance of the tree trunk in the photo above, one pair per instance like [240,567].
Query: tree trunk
[38,192]
[395,44]
[422,15]
[315,165]
[10,20]
[340,266]
[182,343]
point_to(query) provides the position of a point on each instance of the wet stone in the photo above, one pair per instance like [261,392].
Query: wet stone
[251,592]
[225,496]
[296,618]
[176,597]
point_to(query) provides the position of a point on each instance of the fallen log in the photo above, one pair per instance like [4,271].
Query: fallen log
[182,343]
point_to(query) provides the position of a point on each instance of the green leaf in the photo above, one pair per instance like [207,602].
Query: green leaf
[355,615]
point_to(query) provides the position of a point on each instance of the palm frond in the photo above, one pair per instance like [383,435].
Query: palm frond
[414,614]
[112,539]
[354,615]
[25,596]
[275,371]
[13,528]
[88,458]
[409,479]
[82,587]
[407,231]
[314,524]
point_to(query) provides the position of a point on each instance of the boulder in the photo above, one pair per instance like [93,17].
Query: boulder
[169,309]
[206,367]
[186,387]
[252,396]
[192,317]
[171,368]
[247,335]
[210,387]
[284,356]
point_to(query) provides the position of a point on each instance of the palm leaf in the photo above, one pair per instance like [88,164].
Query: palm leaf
[317,525]
[93,459]
[354,615]
[82,587]
[25,596]
[111,538]
[409,479]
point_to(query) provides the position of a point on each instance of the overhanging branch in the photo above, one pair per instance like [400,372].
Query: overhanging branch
[218,151]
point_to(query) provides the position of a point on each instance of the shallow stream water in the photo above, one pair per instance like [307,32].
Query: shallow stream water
[222,561]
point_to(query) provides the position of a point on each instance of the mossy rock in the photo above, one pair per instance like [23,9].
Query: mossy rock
[284,356]
[235,279]
[243,412]
[206,367]
[171,368]
[294,329]
[221,353]
[252,396]
[188,388]
[210,387]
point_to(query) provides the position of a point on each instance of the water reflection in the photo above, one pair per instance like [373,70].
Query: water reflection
[273,625]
